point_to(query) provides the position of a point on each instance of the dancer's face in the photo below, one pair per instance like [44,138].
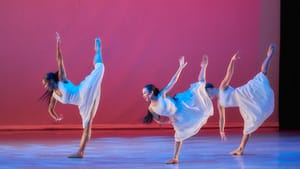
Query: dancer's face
[147,95]
[50,85]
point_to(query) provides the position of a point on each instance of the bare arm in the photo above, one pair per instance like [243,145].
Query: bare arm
[230,69]
[222,121]
[61,68]
[204,63]
[51,110]
[175,77]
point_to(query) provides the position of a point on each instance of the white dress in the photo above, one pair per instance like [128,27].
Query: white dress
[85,95]
[190,110]
[255,100]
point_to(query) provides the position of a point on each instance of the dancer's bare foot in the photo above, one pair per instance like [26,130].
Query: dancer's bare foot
[97,44]
[76,155]
[237,152]
[173,161]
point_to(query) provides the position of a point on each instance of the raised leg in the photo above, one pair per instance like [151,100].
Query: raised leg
[265,64]
[98,52]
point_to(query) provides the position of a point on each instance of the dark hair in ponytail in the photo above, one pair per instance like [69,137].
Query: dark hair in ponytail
[151,88]
[209,85]
[148,118]
[51,76]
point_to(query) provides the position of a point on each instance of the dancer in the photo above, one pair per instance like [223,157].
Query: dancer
[254,99]
[187,111]
[85,95]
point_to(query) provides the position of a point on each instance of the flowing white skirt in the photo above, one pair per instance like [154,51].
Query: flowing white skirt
[255,100]
[90,91]
[194,107]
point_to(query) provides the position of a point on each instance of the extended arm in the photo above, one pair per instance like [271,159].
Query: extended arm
[61,68]
[175,77]
[230,69]
[202,74]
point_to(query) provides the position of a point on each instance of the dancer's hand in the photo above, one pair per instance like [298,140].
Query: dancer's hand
[57,37]
[204,61]
[171,120]
[223,136]
[182,63]
[59,118]
[235,56]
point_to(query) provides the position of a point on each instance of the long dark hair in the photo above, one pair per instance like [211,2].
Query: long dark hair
[151,88]
[49,77]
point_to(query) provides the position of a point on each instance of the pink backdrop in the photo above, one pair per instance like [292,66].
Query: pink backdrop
[142,42]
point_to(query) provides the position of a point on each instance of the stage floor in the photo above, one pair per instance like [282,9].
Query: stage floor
[147,149]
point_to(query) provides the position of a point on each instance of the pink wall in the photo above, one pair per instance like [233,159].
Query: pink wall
[142,41]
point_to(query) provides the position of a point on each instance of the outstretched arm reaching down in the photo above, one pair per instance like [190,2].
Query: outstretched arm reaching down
[222,120]
[224,84]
